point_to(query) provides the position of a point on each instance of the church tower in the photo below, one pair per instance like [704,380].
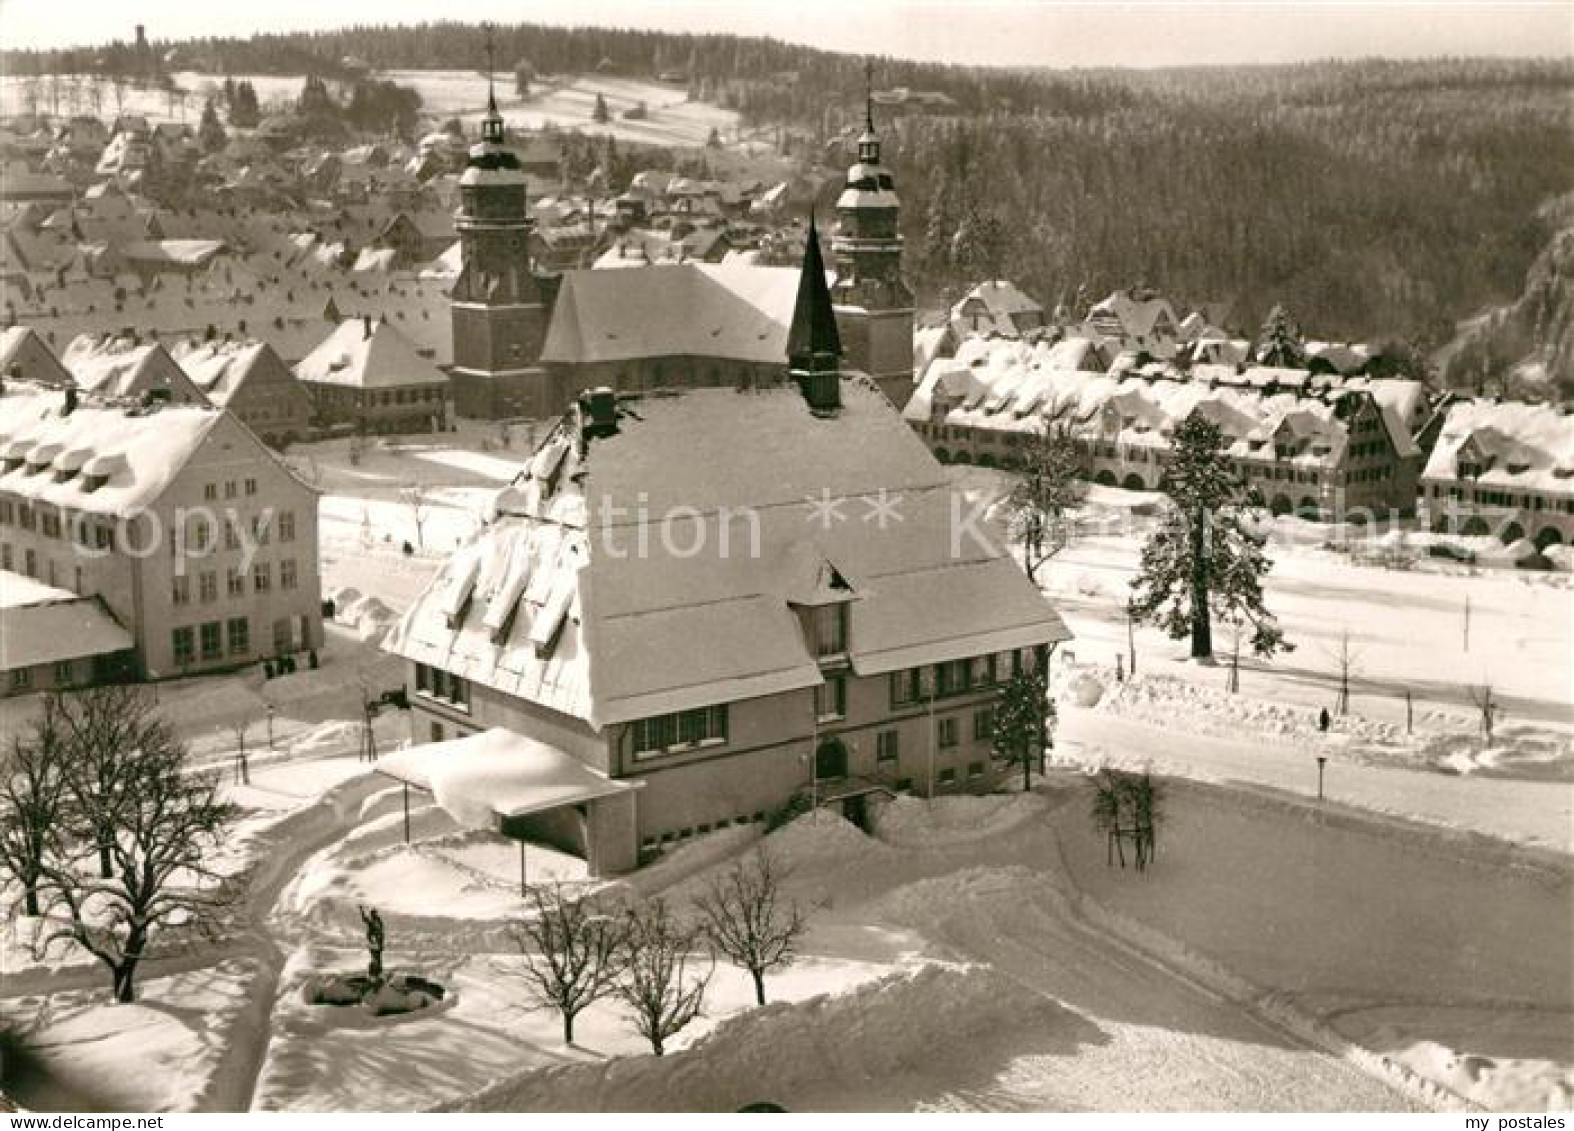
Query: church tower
[499,310]
[873,304]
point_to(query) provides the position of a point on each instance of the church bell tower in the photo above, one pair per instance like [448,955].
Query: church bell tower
[499,311]
[874,306]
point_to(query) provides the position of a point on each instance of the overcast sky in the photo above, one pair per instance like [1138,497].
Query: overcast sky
[1014,32]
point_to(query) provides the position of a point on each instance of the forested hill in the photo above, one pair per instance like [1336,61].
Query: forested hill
[1373,197]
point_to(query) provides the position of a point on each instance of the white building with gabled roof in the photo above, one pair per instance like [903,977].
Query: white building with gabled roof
[194,535]
[368,376]
[730,595]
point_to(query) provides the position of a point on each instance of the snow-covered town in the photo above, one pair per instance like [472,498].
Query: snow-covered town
[518,592]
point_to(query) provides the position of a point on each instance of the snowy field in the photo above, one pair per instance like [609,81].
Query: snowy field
[565,101]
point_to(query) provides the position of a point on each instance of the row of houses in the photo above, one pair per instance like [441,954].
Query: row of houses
[1313,443]
[363,376]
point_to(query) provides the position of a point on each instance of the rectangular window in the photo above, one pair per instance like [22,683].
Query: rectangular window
[183,641]
[31,568]
[984,724]
[212,640]
[261,577]
[437,732]
[830,700]
[680,731]
[287,574]
[286,526]
[947,777]
[229,488]
[210,491]
[423,677]
[907,687]
[953,678]
[51,524]
[251,486]
[234,582]
[7,512]
[232,533]
[65,673]
[975,770]
[886,745]
[259,529]
[200,534]
[20,678]
[180,590]
[946,731]
[208,586]
[459,691]
[5,556]
[239,631]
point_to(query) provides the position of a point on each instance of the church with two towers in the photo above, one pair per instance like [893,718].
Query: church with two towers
[527,343]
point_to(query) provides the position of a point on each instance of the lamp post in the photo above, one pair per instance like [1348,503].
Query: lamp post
[270,726]
[1322,760]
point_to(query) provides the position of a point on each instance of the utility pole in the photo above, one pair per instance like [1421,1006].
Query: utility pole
[1322,760]
[1467,622]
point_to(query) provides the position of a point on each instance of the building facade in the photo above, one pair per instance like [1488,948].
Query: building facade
[192,533]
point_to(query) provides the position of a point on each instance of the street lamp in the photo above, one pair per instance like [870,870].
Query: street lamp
[270,726]
[1322,760]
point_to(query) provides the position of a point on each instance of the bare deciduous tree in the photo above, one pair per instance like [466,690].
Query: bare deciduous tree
[1348,661]
[162,821]
[659,987]
[415,499]
[1049,486]
[104,727]
[746,919]
[1489,709]
[32,799]
[573,952]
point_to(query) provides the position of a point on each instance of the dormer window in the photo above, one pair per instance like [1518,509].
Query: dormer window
[827,628]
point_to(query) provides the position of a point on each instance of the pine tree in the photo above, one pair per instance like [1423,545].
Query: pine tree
[1203,561]
[1024,718]
[210,134]
[244,109]
[1049,486]
[1279,343]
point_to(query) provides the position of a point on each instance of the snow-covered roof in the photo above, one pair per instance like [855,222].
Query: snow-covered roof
[551,603]
[114,365]
[723,310]
[484,778]
[1515,444]
[368,353]
[221,368]
[43,625]
[112,459]
[23,354]
[996,306]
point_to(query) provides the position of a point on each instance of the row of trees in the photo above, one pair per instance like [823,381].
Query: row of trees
[655,962]
[107,833]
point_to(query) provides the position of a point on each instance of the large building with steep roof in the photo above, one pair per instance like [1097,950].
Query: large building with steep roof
[197,540]
[367,376]
[729,596]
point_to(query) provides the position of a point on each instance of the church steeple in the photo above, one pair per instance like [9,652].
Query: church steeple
[869,143]
[499,310]
[814,346]
[873,302]
[492,124]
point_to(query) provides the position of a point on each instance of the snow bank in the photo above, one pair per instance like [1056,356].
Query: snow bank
[860,1043]
[914,822]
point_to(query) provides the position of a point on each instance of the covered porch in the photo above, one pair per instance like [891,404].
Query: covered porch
[527,791]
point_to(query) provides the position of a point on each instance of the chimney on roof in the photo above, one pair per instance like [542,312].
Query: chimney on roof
[598,413]
[71,401]
[366,325]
